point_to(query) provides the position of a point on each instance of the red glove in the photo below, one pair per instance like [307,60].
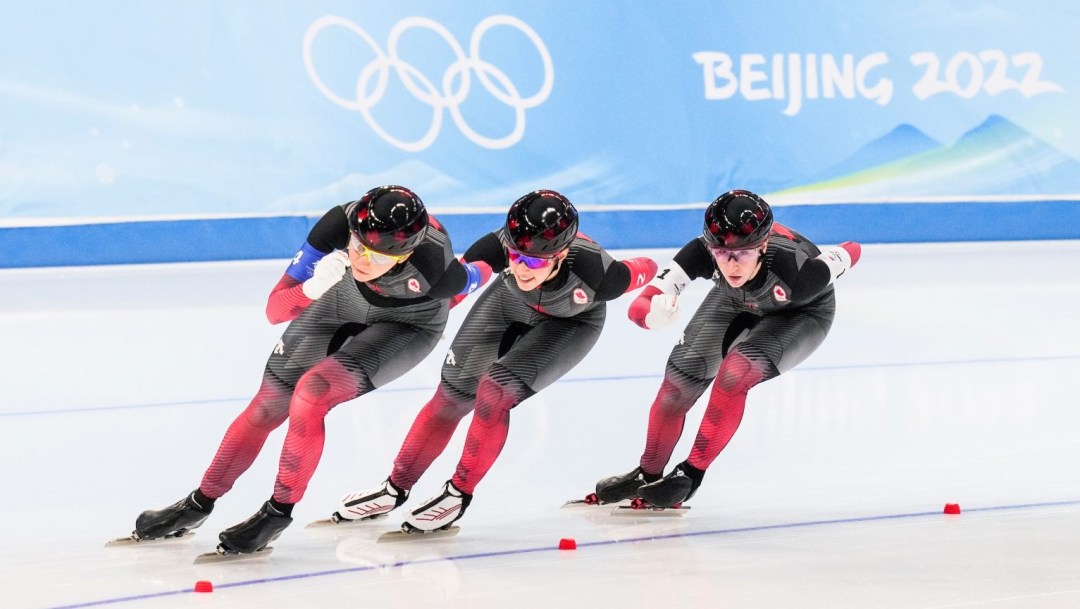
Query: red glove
[653,309]
[641,305]
[642,270]
[853,249]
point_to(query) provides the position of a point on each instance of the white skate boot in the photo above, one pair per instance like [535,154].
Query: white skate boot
[438,512]
[372,503]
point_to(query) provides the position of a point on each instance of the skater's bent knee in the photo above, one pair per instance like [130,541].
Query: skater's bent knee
[739,373]
[501,388]
[506,379]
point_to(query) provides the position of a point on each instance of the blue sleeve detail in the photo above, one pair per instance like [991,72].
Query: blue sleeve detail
[472,278]
[303,263]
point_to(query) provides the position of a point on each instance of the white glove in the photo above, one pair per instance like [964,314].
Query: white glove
[328,271]
[663,310]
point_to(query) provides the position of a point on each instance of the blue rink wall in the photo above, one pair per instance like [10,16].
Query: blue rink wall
[248,238]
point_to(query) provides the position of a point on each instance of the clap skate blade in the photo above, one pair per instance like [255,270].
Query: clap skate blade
[343,522]
[417,534]
[222,555]
[132,540]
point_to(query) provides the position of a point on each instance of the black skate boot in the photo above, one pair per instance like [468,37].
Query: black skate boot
[254,533]
[618,488]
[173,521]
[674,488]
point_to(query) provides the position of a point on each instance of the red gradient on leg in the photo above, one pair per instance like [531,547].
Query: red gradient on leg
[429,434]
[246,436]
[667,417]
[489,428]
[726,406]
[326,385]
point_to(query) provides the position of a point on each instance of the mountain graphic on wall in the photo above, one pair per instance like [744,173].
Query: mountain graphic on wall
[995,158]
[900,143]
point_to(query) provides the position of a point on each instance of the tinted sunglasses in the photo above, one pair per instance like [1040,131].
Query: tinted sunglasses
[372,255]
[532,262]
[741,256]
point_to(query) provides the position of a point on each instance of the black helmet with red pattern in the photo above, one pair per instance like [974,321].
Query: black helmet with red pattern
[738,219]
[389,219]
[541,223]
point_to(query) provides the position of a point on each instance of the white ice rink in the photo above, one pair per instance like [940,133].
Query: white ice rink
[950,376]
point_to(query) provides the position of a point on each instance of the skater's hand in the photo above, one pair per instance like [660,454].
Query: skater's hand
[653,309]
[328,271]
[664,308]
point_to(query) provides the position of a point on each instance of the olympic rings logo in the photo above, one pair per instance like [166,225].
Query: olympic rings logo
[494,80]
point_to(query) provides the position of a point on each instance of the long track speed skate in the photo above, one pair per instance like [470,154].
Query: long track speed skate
[167,524]
[249,539]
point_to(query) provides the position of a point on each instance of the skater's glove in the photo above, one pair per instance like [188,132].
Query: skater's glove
[328,271]
[653,309]
[841,258]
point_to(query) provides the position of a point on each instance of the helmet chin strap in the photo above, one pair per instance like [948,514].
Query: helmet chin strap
[555,268]
[757,267]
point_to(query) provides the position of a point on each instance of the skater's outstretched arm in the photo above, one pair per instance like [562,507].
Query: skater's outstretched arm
[658,304]
[625,276]
[484,257]
[300,286]
[815,275]
[608,278]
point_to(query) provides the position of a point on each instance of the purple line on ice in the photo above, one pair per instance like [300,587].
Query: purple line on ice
[554,548]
